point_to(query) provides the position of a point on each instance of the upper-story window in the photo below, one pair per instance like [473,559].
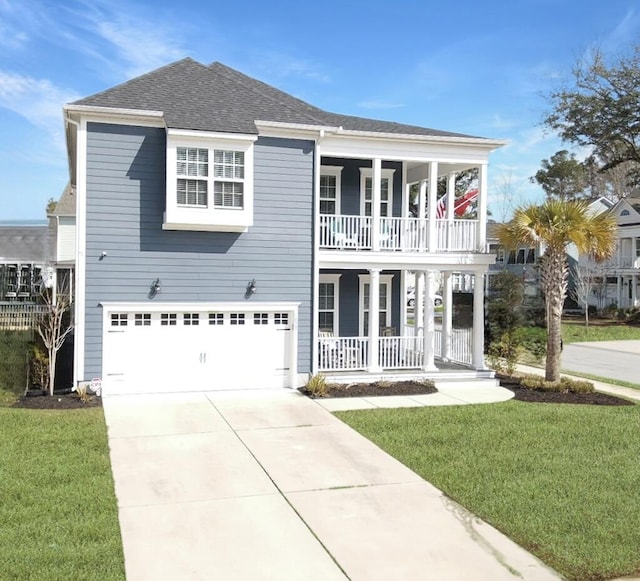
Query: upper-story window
[330,189]
[209,181]
[386,192]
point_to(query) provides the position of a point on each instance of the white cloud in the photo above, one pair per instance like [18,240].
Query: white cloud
[276,64]
[37,100]
[625,32]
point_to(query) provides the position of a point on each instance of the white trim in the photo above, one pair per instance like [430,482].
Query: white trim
[81,247]
[333,171]
[381,135]
[335,280]
[316,251]
[385,279]
[117,117]
[354,259]
[196,135]
[367,172]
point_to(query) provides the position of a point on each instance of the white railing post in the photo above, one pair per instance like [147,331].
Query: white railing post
[374,319]
[432,196]
[428,351]
[478,321]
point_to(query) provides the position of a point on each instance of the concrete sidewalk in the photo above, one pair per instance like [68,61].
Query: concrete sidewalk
[270,485]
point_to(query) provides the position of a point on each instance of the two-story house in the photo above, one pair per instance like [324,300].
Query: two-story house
[622,272]
[233,236]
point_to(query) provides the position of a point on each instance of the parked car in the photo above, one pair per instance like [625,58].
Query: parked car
[411,298]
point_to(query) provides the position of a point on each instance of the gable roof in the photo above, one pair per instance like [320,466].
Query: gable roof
[66,205]
[218,98]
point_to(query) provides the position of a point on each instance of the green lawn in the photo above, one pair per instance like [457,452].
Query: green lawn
[58,514]
[574,332]
[561,480]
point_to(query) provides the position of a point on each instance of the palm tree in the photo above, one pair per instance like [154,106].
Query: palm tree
[554,225]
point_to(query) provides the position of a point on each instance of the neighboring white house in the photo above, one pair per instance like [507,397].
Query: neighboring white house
[622,272]
[62,241]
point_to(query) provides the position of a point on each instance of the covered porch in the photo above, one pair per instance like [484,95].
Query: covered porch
[354,339]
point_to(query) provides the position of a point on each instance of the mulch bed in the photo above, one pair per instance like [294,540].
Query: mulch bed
[511,383]
[375,389]
[541,395]
[59,401]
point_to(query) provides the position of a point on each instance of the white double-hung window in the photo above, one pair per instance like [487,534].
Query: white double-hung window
[209,181]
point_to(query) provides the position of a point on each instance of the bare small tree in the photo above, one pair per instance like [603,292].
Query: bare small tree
[54,325]
[589,279]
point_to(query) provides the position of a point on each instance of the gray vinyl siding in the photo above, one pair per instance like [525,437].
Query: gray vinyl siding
[350,183]
[125,204]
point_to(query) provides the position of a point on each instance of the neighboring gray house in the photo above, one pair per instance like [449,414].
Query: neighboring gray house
[232,236]
[23,254]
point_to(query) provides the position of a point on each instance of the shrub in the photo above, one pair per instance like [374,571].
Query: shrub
[504,354]
[534,341]
[565,385]
[317,386]
[15,348]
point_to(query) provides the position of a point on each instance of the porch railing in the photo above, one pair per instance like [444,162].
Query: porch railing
[19,316]
[402,234]
[406,352]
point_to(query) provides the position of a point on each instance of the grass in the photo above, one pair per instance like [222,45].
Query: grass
[560,480]
[574,332]
[58,514]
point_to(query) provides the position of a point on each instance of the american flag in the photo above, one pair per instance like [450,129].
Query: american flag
[460,205]
[441,207]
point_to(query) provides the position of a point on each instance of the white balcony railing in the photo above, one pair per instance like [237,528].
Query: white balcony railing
[396,234]
[406,352]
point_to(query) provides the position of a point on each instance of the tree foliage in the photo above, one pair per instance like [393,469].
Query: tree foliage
[562,177]
[554,225]
[601,110]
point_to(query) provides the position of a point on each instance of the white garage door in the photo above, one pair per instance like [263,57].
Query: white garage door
[193,350]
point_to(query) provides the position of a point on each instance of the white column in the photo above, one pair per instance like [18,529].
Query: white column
[376,176]
[451,195]
[374,319]
[418,307]
[478,322]
[634,290]
[619,291]
[447,316]
[432,195]
[481,205]
[422,212]
[428,343]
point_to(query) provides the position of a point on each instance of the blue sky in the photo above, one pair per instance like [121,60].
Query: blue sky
[481,68]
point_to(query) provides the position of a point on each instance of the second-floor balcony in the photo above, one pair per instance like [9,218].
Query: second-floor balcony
[343,232]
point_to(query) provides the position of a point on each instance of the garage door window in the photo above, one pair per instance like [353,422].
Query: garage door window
[216,318]
[191,319]
[119,319]
[281,318]
[142,319]
[168,319]
[236,318]
[260,318]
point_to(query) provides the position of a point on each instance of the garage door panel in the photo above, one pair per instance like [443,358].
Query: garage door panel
[187,351]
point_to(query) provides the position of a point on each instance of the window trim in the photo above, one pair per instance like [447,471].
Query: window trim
[367,172]
[385,279]
[333,171]
[335,280]
[209,217]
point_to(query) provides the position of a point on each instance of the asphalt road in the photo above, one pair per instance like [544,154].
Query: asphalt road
[611,359]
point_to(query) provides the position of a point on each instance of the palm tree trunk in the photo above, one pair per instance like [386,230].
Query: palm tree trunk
[554,274]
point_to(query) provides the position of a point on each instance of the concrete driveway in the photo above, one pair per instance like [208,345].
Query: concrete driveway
[255,486]
[612,359]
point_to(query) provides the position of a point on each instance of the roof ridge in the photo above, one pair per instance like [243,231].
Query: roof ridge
[137,78]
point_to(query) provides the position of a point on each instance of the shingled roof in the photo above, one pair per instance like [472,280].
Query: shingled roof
[218,98]
[23,243]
